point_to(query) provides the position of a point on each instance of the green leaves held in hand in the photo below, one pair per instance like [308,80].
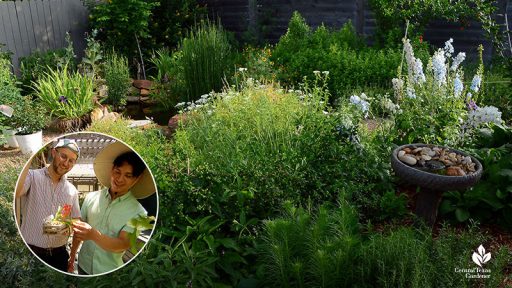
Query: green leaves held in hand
[139,223]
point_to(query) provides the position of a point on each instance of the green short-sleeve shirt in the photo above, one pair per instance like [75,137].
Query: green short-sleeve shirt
[110,218]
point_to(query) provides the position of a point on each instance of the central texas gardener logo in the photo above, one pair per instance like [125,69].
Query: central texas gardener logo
[480,257]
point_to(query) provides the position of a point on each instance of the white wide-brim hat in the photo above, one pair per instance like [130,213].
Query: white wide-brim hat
[103,168]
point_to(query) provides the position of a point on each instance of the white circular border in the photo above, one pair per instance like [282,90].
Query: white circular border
[29,161]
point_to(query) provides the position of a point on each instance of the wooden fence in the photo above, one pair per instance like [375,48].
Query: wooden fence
[27,26]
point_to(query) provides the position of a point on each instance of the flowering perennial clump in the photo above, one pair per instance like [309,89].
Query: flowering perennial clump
[436,106]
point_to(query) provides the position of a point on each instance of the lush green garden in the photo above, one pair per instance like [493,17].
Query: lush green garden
[279,172]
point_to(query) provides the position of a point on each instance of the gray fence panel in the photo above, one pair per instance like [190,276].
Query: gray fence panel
[41,25]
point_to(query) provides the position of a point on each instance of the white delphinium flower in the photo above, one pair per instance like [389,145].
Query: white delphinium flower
[390,106]
[458,86]
[179,105]
[419,77]
[457,60]
[411,93]
[448,47]
[487,114]
[325,73]
[242,69]
[362,104]
[316,72]
[398,85]
[409,57]
[475,84]
[439,67]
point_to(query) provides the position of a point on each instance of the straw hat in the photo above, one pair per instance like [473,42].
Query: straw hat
[103,166]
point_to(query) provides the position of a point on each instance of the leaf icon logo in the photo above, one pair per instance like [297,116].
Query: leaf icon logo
[481,257]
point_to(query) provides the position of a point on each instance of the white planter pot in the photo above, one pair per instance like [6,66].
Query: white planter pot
[9,136]
[31,143]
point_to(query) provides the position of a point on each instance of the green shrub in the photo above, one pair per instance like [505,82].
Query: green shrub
[496,91]
[39,63]
[206,57]
[120,23]
[261,146]
[254,63]
[350,63]
[66,95]
[29,116]
[9,92]
[117,76]
[171,19]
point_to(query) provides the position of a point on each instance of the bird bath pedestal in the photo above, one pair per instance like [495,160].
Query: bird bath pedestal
[432,185]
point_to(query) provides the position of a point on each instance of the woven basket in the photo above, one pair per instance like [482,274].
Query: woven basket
[434,181]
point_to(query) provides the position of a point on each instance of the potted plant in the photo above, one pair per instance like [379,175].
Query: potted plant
[9,95]
[30,120]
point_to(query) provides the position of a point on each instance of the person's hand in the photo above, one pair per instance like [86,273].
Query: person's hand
[83,231]
[71,264]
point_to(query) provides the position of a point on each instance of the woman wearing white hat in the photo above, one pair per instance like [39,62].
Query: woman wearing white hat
[106,212]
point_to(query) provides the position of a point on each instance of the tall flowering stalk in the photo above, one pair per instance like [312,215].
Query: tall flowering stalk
[434,103]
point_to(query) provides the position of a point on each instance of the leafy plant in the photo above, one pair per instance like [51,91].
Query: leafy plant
[140,223]
[436,106]
[256,64]
[169,86]
[117,76]
[67,95]
[9,92]
[38,63]
[33,117]
[119,23]
[392,15]
[206,55]
[350,63]
[491,199]
[305,249]
[91,64]
[170,21]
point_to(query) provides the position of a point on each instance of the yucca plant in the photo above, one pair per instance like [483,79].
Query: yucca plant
[67,96]
[206,55]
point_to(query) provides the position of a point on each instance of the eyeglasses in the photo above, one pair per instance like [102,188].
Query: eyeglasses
[65,158]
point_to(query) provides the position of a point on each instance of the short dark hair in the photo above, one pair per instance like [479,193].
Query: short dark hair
[133,159]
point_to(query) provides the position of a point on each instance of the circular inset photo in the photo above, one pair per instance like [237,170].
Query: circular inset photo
[86,204]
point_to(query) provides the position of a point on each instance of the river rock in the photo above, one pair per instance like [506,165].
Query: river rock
[455,171]
[409,160]
[401,153]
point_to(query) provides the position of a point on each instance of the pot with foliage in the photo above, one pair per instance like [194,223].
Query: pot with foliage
[29,123]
